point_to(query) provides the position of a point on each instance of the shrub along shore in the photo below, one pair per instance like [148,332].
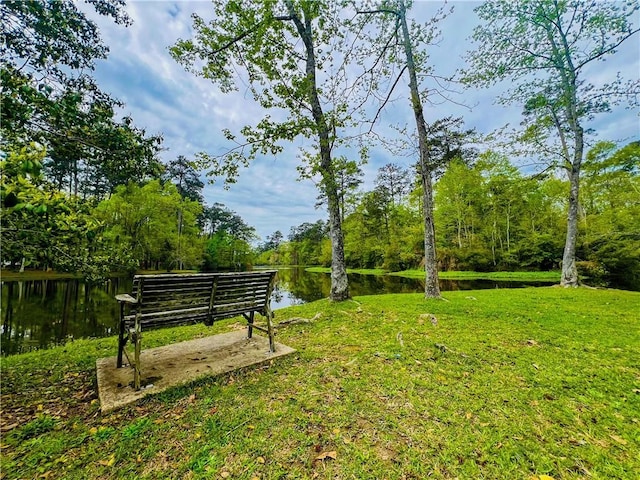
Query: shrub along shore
[514,383]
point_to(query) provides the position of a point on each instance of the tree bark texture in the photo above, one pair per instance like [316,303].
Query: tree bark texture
[569,277]
[339,281]
[431,288]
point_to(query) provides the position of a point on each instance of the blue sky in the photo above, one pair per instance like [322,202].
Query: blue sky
[191,112]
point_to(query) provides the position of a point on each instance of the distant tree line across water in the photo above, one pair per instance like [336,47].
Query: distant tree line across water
[489,217]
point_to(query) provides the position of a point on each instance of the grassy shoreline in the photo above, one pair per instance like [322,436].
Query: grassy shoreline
[488,384]
[552,276]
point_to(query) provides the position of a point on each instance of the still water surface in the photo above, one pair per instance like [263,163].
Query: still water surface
[42,313]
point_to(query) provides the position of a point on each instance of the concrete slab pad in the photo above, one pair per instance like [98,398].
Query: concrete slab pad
[181,363]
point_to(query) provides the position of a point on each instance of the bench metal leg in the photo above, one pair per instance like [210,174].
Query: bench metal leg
[250,325]
[272,345]
[121,337]
[136,367]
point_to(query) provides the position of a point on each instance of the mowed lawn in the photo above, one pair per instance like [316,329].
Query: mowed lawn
[492,384]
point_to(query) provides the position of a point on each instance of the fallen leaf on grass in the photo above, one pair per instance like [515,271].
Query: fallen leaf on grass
[324,455]
[108,463]
[6,428]
[260,460]
[542,477]
[618,439]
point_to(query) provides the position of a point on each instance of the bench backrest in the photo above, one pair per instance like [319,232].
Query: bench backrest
[173,299]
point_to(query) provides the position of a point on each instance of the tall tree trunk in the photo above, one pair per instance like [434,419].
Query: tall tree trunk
[569,75]
[431,287]
[569,276]
[339,281]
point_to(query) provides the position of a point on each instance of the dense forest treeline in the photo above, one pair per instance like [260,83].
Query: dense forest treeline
[489,216]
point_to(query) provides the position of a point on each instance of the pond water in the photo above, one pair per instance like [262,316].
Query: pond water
[42,313]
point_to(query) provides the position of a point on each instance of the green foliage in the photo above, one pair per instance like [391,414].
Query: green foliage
[545,49]
[305,243]
[226,252]
[60,134]
[490,217]
[218,218]
[153,224]
[185,176]
[611,223]
[48,97]
[45,228]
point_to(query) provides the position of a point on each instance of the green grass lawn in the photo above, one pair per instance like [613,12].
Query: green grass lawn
[552,276]
[496,384]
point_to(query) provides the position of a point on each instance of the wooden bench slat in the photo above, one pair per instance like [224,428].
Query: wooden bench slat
[171,298]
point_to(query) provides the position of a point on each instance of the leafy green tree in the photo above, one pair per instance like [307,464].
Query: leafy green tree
[610,226]
[367,232]
[348,175]
[400,42]
[218,218]
[226,252]
[459,194]
[143,221]
[49,36]
[305,241]
[273,241]
[48,96]
[45,228]
[394,180]
[503,204]
[283,48]
[545,48]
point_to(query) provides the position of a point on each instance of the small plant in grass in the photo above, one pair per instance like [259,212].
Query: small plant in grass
[36,427]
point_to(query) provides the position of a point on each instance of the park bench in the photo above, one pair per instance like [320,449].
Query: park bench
[165,300]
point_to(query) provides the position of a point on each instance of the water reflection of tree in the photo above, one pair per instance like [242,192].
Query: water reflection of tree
[42,313]
[304,286]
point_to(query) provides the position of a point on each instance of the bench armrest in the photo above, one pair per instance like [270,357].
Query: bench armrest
[126,298]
